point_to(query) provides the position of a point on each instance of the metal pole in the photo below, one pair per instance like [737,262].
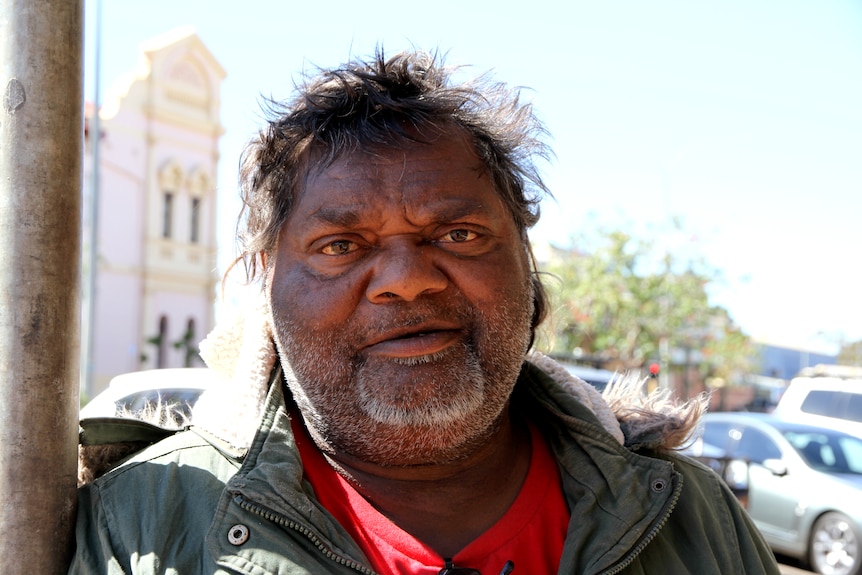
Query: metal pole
[92,223]
[41,146]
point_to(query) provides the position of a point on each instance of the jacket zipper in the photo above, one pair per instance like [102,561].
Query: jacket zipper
[629,559]
[302,530]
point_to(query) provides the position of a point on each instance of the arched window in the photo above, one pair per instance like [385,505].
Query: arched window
[189,347]
[195,220]
[162,351]
[200,186]
[171,179]
[167,214]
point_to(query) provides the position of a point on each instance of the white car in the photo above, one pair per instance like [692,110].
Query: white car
[598,378]
[167,395]
[831,401]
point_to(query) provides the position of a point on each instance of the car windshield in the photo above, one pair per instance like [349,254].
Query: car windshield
[835,453]
[175,404]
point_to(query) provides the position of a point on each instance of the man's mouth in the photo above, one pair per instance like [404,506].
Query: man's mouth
[414,342]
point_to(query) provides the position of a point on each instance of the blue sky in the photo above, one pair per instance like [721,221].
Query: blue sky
[741,117]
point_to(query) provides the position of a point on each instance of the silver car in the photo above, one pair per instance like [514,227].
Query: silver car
[804,485]
[166,394]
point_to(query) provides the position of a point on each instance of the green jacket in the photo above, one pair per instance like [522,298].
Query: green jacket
[191,504]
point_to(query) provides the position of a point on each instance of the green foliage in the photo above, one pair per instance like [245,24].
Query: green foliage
[851,354]
[187,345]
[621,302]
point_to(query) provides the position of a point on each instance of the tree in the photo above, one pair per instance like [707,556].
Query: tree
[187,344]
[851,353]
[620,302]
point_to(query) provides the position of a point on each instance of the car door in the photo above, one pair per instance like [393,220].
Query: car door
[772,497]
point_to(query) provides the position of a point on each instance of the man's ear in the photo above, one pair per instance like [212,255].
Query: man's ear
[263,259]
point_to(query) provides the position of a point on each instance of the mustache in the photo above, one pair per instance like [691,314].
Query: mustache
[411,314]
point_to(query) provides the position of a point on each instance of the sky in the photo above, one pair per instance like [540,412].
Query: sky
[741,118]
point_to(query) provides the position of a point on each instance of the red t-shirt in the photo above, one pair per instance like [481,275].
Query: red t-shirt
[530,534]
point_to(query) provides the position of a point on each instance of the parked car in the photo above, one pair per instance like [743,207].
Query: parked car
[829,401]
[598,378]
[804,485]
[170,394]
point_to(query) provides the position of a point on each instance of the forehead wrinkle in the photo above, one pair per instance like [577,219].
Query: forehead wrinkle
[341,216]
[423,214]
[410,177]
[450,211]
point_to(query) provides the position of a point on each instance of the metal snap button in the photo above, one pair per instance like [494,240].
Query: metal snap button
[659,485]
[237,535]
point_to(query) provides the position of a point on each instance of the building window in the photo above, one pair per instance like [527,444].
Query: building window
[196,220]
[161,352]
[167,214]
[190,349]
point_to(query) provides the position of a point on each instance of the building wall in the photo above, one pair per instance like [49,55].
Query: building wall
[160,129]
[785,363]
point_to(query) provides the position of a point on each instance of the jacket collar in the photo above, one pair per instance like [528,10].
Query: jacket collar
[618,498]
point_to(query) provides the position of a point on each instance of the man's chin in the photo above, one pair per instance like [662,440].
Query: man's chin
[416,415]
[441,391]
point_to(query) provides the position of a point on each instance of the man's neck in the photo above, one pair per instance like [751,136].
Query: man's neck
[447,506]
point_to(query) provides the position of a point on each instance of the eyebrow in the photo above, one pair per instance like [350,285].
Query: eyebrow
[456,210]
[338,216]
[351,216]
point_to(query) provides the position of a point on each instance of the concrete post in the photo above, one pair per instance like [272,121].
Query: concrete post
[41,146]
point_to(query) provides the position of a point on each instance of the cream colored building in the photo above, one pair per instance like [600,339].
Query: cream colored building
[155,285]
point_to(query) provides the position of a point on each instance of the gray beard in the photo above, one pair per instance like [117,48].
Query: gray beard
[415,411]
[448,406]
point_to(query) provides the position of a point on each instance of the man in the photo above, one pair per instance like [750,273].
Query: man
[383,412]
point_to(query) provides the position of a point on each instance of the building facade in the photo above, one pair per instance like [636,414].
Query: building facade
[154,287]
[786,362]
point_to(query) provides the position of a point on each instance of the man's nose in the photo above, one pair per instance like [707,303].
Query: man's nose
[405,271]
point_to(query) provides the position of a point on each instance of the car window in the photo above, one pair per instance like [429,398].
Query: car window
[828,452]
[833,404]
[854,407]
[717,434]
[598,378]
[814,449]
[851,447]
[818,403]
[756,446]
[177,402]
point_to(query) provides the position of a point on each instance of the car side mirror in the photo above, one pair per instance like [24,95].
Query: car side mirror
[736,474]
[775,466]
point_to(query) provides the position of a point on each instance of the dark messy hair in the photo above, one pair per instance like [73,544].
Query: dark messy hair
[381,103]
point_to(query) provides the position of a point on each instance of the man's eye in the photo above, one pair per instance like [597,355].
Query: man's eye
[459,235]
[338,248]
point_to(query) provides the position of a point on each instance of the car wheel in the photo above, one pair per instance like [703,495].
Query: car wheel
[835,546]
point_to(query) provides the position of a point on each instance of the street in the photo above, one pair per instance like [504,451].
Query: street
[789,566]
[788,570]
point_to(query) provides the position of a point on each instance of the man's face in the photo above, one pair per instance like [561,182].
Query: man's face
[401,298]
